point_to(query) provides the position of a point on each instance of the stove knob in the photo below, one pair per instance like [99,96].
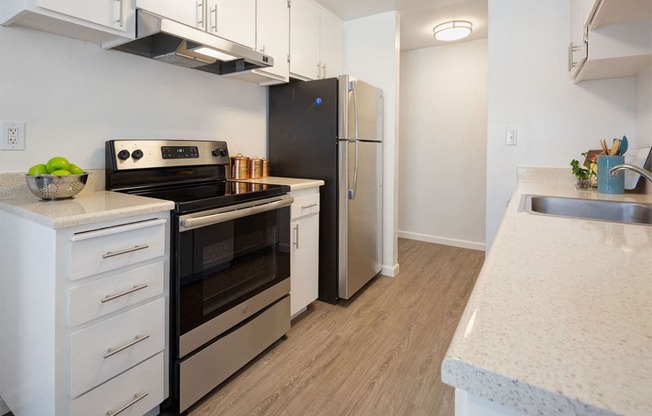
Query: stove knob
[137,154]
[223,152]
[215,152]
[123,154]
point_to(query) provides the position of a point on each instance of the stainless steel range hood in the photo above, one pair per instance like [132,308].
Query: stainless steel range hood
[172,42]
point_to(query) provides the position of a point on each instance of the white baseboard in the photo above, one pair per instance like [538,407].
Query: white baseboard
[390,271]
[3,407]
[443,240]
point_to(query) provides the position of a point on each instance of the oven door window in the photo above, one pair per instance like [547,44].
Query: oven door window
[223,264]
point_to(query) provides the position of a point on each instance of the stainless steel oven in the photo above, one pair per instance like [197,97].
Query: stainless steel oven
[229,263]
[234,266]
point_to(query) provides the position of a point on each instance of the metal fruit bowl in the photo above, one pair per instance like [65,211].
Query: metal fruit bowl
[52,188]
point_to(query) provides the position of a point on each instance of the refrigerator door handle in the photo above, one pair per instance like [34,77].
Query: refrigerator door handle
[353,191]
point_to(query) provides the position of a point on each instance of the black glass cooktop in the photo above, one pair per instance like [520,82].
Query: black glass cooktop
[198,197]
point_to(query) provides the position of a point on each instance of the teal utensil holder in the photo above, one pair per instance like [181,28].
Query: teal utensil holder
[608,183]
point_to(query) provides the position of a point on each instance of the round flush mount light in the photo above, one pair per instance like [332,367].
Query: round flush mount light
[453,30]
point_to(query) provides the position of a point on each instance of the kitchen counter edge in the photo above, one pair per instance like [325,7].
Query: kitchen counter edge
[533,388]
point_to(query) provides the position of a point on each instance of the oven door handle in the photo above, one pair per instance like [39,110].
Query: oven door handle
[192,223]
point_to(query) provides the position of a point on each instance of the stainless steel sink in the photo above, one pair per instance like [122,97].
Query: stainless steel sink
[612,211]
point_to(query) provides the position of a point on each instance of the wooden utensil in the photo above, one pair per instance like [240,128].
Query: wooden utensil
[614,148]
[605,149]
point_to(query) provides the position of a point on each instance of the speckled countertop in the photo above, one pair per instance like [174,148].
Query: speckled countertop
[560,318]
[295,184]
[91,205]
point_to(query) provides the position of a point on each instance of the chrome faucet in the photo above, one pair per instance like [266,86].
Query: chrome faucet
[644,173]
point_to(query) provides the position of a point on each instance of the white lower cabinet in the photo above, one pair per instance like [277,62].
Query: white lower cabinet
[83,316]
[304,254]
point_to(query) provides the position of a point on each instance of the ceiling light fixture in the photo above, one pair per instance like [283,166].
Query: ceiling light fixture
[453,30]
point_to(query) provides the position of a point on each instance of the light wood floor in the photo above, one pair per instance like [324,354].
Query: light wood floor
[377,354]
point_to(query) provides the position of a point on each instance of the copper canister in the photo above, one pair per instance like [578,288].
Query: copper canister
[240,167]
[255,168]
[265,163]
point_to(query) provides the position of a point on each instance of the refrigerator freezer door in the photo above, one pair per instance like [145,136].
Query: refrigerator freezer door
[361,110]
[360,220]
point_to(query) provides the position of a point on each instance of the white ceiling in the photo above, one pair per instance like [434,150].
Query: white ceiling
[418,17]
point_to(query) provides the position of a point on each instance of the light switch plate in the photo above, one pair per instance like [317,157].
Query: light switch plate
[510,137]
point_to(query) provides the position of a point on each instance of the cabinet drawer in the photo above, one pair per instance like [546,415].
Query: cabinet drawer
[106,249]
[106,349]
[146,378]
[101,297]
[305,205]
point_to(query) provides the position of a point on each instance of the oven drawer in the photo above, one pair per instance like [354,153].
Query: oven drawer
[145,380]
[101,297]
[212,365]
[305,205]
[107,249]
[106,349]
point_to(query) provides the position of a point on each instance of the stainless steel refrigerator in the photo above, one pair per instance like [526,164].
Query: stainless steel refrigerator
[332,129]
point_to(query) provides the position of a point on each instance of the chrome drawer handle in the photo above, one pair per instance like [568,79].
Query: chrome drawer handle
[113,351]
[125,251]
[136,399]
[121,294]
[308,206]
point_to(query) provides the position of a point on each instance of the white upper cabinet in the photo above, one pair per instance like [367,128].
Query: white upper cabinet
[273,38]
[617,36]
[188,12]
[331,49]
[316,42]
[234,20]
[98,22]
[304,40]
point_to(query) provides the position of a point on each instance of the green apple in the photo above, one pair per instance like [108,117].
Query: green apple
[57,163]
[75,170]
[60,172]
[39,169]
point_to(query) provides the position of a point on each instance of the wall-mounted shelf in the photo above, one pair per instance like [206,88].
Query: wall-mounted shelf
[618,39]
[609,12]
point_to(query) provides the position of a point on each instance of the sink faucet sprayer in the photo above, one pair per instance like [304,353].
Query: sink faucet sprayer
[644,173]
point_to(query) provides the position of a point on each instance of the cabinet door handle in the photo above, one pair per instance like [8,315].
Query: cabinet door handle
[200,13]
[296,236]
[571,49]
[136,399]
[214,19]
[125,251]
[319,70]
[136,288]
[113,351]
[120,20]
[323,67]
[308,206]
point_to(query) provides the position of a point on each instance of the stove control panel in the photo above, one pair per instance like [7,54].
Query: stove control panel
[146,153]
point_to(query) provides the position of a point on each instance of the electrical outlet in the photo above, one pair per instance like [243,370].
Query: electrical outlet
[13,135]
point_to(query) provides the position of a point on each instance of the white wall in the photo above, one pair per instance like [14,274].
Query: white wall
[644,107]
[442,167]
[530,90]
[74,96]
[372,53]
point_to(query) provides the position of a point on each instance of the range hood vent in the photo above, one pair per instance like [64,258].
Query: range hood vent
[168,41]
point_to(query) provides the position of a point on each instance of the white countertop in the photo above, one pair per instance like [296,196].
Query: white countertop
[560,318]
[90,206]
[86,208]
[295,184]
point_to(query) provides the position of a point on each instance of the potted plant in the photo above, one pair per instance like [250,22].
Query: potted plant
[582,175]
